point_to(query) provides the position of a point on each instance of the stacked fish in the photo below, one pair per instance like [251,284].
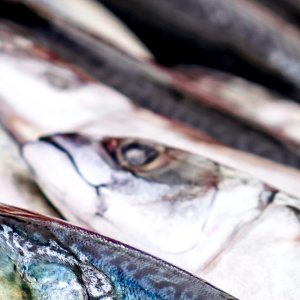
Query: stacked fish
[178,170]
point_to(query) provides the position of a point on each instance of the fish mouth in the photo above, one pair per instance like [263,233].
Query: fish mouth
[89,159]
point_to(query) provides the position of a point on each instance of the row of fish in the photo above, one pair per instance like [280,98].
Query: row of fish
[145,180]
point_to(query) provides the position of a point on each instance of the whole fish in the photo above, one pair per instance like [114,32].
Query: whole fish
[183,208]
[46,258]
[234,230]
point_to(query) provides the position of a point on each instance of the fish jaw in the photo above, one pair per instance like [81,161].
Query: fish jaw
[142,204]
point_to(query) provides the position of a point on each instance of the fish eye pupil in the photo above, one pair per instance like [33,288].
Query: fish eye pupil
[136,154]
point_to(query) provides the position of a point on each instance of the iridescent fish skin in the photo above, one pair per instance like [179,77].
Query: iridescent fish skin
[44,258]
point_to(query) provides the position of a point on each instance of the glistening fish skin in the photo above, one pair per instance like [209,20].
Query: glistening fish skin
[44,258]
[244,99]
[94,18]
[183,208]
[255,41]
[142,83]
[72,101]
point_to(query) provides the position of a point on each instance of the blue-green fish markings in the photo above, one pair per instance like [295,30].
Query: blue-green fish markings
[43,258]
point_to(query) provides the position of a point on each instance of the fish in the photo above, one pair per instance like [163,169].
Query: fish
[215,172]
[240,37]
[184,208]
[74,101]
[17,186]
[46,258]
[144,85]
[94,18]
[257,259]
[274,114]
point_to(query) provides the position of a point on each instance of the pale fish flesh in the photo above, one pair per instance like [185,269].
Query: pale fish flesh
[46,258]
[184,208]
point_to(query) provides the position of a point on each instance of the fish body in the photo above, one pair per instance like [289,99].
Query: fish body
[76,102]
[47,74]
[94,18]
[221,205]
[237,36]
[286,9]
[44,258]
[267,254]
[274,114]
[184,208]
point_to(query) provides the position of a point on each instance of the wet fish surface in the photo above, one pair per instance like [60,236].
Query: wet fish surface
[278,116]
[184,208]
[65,90]
[147,86]
[241,37]
[44,258]
[112,175]
[94,18]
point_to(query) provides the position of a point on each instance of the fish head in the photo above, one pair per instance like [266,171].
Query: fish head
[163,200]
[133,169]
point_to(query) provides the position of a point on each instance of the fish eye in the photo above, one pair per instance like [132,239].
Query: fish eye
[137,154]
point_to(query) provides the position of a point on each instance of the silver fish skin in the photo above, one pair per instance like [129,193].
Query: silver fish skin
[273,113]
[265,261]
[73,101]
[246,28]
[184,208]
[94,18]
[46,258]
[144,83]
[147,83]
